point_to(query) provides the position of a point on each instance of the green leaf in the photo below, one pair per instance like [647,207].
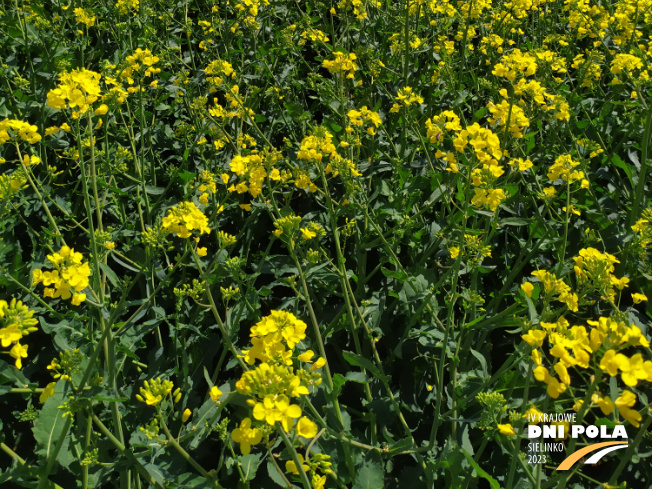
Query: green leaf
[514,221]
[272,471]
[186,176]
[110,274]
[398,275]
[623,166]
[370,476]
[10,374]
[493,483]
[153,190]
[249,465]
[362,362]
[49,427]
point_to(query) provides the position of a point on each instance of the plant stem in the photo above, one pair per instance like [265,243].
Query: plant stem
[639,196]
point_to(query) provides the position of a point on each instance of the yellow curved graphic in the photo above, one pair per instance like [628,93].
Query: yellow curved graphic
[575,456]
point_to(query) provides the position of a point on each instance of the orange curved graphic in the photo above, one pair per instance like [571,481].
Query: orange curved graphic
[575,456]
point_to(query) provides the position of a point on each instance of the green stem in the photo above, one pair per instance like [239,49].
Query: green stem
[639,196]
[172,441]
[125,452]
[225,333]
[295,457]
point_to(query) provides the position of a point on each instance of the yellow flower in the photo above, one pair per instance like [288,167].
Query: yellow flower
[155,390]
[186,415]
[246,436]
[624,404]
[638,298]
[291,466]
[604,403]
[48,392]
[102,109]
[506,429]
[318,481]
[10,334]
[321,361]
[534,337]
[202,251]
[527,288]
[306,428]
[306,356]
[619,283]
[18,352]
[215,394]
[277,408]
[307,233]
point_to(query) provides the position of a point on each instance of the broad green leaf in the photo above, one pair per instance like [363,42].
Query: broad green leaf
[110,274]
[249,465]
[360,361]
[49,427]
[370,475]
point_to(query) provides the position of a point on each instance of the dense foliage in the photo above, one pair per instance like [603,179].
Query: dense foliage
[320,244]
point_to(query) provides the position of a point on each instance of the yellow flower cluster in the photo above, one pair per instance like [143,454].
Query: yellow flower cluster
[69,277]
[207,186]
[317,146]
[124,6]
[343,63]
[629,64]
[274,382]
[313,35]
[488,197]
[11,184]
[564,167]
[77,89]
[68,364]
[576,346]
[155,390]
[446,121]
[555,287]
[643,234]
[506,113]
[589,67]
[484,142]
[594,272]
[250,9]
[217,69]
[317,463]
[547,102]
[142,58]
[185,218]
[359,117]
[16,322]
[14,128]
[515,63]
[252,173]
[286,226]
[474,249]
[600,342]
[85,16]
[404,98]
[235,103]
[473,8]
[358,7]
